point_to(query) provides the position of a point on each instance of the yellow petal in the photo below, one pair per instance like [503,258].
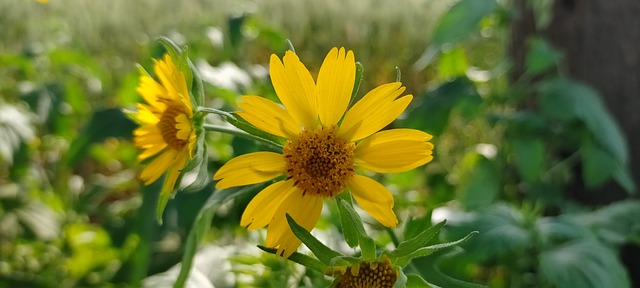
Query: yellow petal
[250,169]
[335,85]
[295,88]
[191,144]
[304,209]
[146,130]
[260,210]
[151,90]
[172,176]
[152,150]
[171,78]
[183,124]
[146,135]
[393,151]
[374,111]
[374,198]
[158,166]
[268,116]
[146,115]
[186,102]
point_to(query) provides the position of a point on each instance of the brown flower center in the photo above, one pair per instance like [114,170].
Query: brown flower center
[319,162]
[167,126]
[369,275]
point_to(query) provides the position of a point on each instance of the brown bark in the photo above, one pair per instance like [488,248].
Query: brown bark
[601,44]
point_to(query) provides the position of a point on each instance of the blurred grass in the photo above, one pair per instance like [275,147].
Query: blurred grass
[383,34]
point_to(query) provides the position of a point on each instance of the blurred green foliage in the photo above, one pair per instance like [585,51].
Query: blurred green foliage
[508,151]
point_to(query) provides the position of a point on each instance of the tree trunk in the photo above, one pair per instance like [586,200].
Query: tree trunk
[601,44]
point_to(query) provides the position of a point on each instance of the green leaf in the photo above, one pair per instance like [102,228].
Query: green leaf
[431,270]
[565,99]
[126,94]
[324,253]
[351,223]
[367,247]
[461,20]
[350,234]
[356,84]
[146,227]
[598,165]
[542,12]
[299,258]
[202,177]
[482,186]
[416,226]
[203,222]
[552,230]
[615,224]
[622,175]
[401,281]
[529,156]
[199,152]
[105,123]
[411,245]
[354,230]
[290,45]
[415,281]
[503,230]
[425,251]
[163,200]
[541,56]
[456,25]
[235,24]
[453,63]
[197,90]
[583,263]
[84,62]
[432,110]
[172,48]
[343,260]
[180,58]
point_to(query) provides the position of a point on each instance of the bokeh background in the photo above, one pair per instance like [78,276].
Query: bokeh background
[532,104]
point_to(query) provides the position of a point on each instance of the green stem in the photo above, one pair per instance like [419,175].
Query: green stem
[568,162]
[239,133]
[202,109]
[393,237]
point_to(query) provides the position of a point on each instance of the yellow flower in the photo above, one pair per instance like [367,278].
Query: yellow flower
[166,133]
[324,145]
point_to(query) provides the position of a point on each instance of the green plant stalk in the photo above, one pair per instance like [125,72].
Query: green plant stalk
[240,133]
[202,109]
[570,161]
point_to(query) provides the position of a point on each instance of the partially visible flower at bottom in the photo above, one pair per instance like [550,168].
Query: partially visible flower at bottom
[376,274]
[166,134]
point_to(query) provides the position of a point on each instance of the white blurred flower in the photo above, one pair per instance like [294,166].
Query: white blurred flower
[227,75]
[15,127]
